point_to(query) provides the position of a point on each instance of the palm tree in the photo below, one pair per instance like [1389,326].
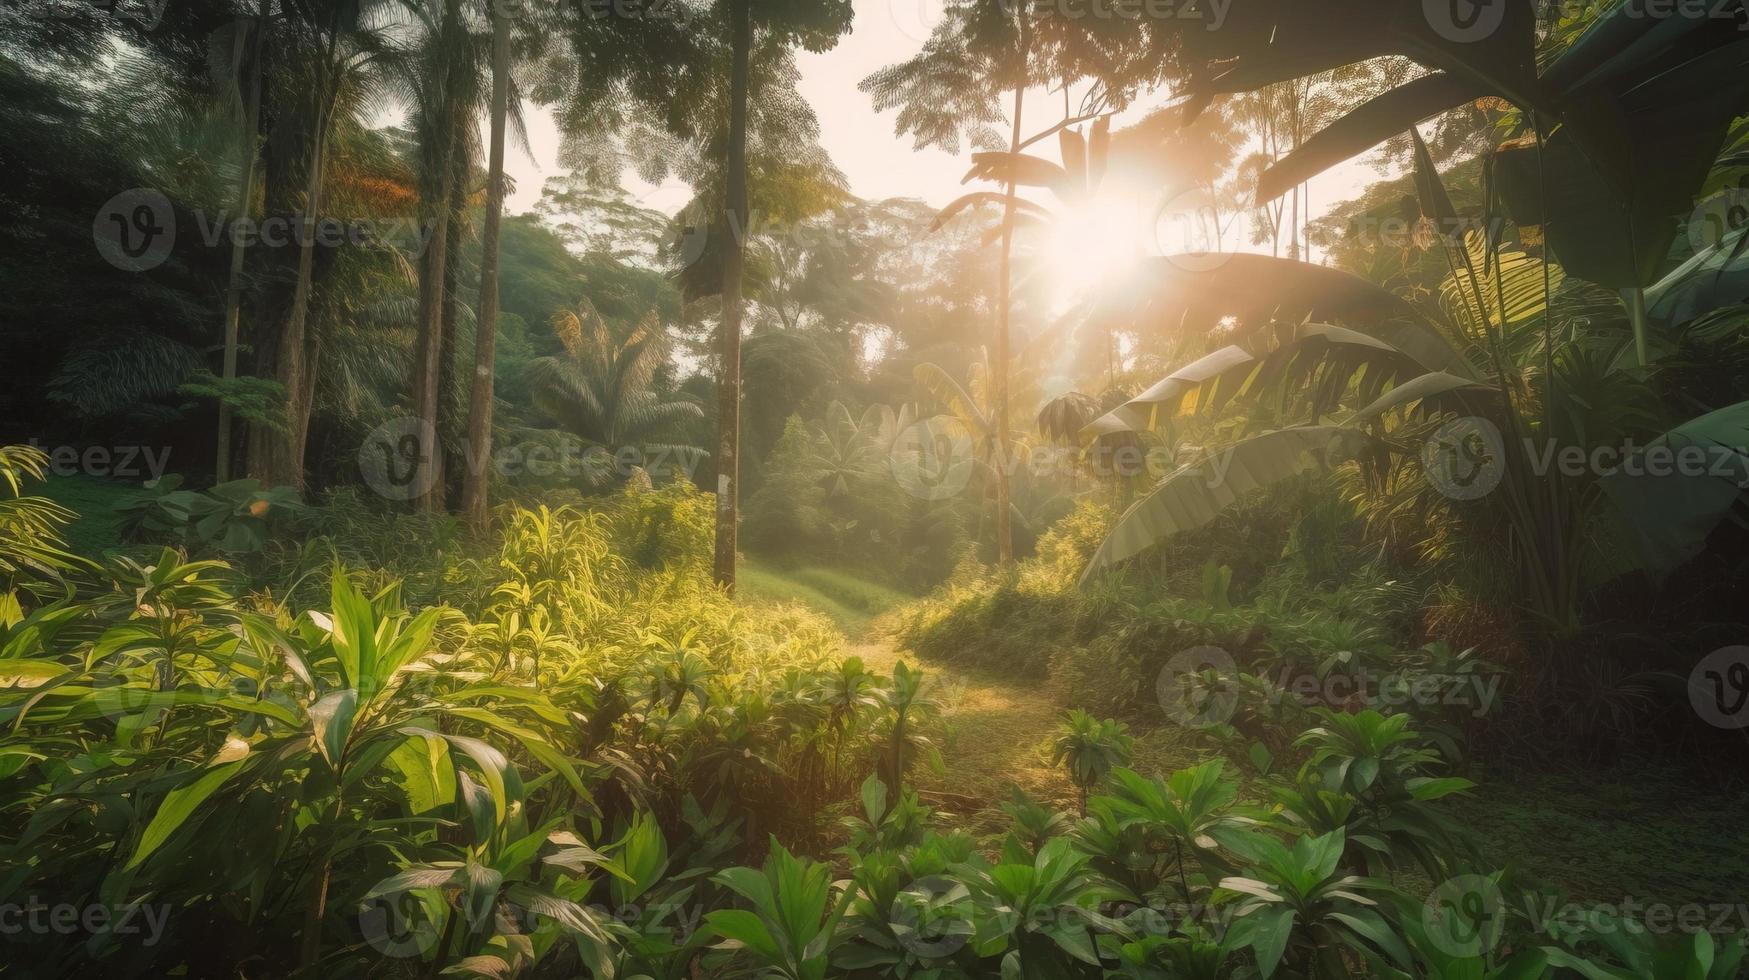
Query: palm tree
[442,75]
[606,389]
[250,151]
[479,439]
[328,74]
[815,25]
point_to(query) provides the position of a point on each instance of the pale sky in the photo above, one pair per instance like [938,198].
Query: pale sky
[877,163]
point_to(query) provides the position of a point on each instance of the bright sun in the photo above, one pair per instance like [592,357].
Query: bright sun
[1090,245]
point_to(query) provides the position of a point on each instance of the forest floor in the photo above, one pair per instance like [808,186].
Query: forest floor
[1636,832]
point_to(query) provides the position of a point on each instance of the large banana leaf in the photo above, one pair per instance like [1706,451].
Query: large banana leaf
[1367,126]
[1714,277]
[1229,366]
[1672,511]
[1196,493]
[1428,386]
[1022,206]
[1257,288]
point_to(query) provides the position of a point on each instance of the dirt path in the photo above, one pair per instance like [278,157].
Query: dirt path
[995,735]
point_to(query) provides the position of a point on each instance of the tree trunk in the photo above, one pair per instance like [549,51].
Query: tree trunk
[277,458]
[729,380]
[428,350]
[475,483]
[245,200]
[450,428]
[1004,528]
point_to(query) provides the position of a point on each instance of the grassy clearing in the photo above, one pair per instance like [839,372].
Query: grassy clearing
[95,501]
[851,602]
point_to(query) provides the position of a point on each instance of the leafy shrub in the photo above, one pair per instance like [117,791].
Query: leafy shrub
[231,518]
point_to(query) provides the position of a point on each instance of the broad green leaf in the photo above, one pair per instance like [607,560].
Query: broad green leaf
[178,804]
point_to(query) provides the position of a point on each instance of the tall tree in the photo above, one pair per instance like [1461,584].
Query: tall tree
[816,26]
[250,150]
[328,70]
[475,505]
[444,77]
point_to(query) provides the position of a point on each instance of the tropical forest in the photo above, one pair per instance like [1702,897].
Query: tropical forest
[864,489]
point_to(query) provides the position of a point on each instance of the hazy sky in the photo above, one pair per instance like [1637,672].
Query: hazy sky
[861,142]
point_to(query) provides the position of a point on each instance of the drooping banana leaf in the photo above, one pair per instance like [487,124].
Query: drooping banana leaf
[1714,277]
[1022,207]
[1367,126]
[1673,511]
[1253,287]
[1196,493]
[1025,169]
[1427,387]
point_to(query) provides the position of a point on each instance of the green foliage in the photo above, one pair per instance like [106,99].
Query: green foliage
[1090,749]
[232,518]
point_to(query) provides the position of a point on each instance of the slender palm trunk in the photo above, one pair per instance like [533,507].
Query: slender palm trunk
[475,503]
[277,458]
[1004,529]
[729,380]
[428,353]
[245,198]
